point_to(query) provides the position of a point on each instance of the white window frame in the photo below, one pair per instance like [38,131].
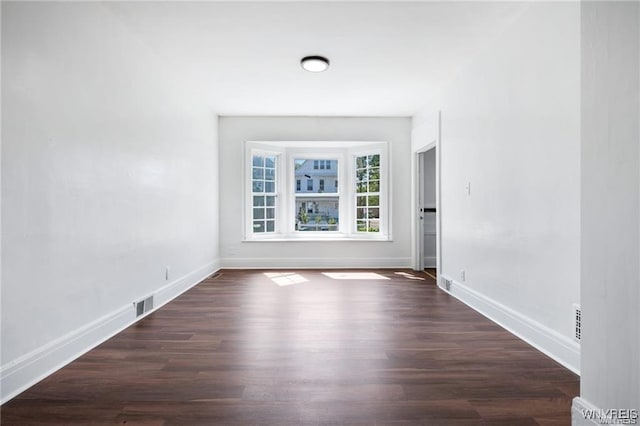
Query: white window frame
[345,152]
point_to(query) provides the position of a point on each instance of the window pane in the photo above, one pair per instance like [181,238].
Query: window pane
[317,214]
[258,173]
[258,226]
[264,176]
[270,162]
[269,174]
[368,181]
[374,174]
[271,226]
[316,176]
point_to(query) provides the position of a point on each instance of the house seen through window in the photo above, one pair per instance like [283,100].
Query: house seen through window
[316,209]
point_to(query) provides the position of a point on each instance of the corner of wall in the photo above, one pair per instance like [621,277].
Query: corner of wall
[553,344]
[24,372]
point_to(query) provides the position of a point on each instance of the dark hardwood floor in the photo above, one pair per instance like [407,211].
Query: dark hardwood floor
[242,348]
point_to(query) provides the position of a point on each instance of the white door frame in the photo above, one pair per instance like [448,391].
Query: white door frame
[418,183]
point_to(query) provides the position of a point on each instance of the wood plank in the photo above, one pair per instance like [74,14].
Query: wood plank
[238,349]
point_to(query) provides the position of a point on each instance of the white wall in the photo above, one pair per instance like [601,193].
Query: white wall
[510,127]
[234,131]
[108,175]
[610,266]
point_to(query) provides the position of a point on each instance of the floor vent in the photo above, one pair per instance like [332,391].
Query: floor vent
[577,318]
[446,282]
[143,306]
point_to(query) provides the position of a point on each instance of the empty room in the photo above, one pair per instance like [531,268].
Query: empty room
[320,213]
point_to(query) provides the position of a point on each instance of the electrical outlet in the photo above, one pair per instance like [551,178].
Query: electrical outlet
[467,188]
[463,276]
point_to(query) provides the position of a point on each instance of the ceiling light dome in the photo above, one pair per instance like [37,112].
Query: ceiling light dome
[314,63]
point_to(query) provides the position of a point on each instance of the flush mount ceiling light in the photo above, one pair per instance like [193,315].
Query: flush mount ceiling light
[314,63]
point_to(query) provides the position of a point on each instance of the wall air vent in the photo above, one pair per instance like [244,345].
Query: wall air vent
[143,306]
[446,283]
[577,321]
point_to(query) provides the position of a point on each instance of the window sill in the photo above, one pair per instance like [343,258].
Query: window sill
[332,239]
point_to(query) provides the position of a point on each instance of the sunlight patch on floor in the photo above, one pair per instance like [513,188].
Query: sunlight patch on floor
[409,275]
[285,278]
[355,276]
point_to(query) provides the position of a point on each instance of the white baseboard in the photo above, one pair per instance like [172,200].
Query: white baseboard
[562,349]
[579,406]
[20,374]
[316,262]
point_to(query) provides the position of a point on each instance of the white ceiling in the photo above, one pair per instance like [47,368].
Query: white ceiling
[387,59]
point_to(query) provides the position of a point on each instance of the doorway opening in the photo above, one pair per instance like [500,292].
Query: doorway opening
[427,211]
[427,252]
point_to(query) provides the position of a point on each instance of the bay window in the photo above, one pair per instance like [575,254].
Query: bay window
[345,196]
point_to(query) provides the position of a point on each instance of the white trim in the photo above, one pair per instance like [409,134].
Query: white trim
[315,262]
[18,375]
[322,236]
[562,349]
[417,227]
[439,197]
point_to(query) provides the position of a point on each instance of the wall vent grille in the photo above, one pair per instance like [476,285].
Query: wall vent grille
[577,320]
[143,306]
[446,282]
